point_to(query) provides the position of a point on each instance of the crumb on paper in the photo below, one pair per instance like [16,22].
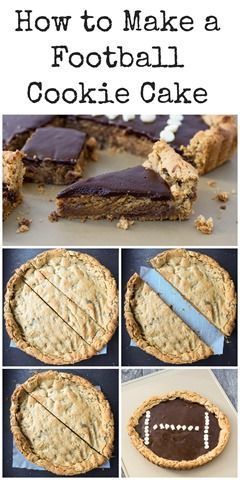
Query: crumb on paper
[222,197]
[204,225]
[83,219]
[23,224]
[53,217]
[41,187]
[223,207]
[124,223]
[212,183]
[51,200]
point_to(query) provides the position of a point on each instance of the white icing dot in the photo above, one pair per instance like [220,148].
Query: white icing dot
[184,427]
[205,437]
[172,427]
[126,118]
[148,118]
[206,447]
[146,442]
[161,426]
[155,427]
[148,414]
[197,428]
[172,127]
[190,427]
[166,426]
[179,427]
[167,136]
[177,118]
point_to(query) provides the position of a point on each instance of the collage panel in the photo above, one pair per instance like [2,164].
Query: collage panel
[62,422]
[60,307]
[179,307]
[179,423]
[128,172]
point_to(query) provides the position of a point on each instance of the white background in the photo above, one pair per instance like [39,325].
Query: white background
[210,58]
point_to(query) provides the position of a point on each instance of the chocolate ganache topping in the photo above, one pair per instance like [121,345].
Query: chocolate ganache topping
[60,145]
[17,124]
[179,430]
[136,181]
[190,125]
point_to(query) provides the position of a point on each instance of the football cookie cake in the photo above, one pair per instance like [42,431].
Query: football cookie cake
[179,430]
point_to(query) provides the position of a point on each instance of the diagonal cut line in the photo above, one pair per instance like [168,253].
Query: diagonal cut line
[65,295]
[66,426]
[184,309]
[69,326]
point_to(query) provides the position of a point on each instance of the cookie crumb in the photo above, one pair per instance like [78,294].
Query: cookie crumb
[204,225]
[211,183]
[223,207]
[41,188]
[222,197]
[124,223]
[23,224]
[53,217]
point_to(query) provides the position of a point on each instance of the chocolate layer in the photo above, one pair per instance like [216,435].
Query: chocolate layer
[60,145]
[16,124]
[190,126]
[179,444]
[136,181]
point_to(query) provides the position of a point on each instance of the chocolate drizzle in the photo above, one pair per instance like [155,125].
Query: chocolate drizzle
[136,181]
[60,145]
[179,444]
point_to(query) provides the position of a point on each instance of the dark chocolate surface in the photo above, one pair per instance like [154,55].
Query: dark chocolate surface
[180,444]
[60,145]
[136,181]
[15,124]
[190,126]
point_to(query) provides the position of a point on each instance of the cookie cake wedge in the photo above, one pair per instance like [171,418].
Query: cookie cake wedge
[163,187]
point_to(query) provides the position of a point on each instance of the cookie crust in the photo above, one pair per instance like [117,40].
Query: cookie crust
[192,349]
[174,464]
[211,148]
[203,282]
[206,150]
[88,337]
[25,392]
[13,172]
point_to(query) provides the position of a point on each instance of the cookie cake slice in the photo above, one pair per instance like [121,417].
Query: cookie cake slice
[162,188]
